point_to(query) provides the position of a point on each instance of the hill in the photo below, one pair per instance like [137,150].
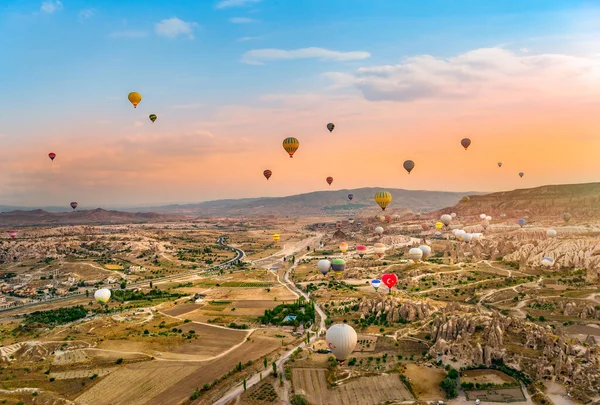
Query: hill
[581,200]
[319,203]
[97,216]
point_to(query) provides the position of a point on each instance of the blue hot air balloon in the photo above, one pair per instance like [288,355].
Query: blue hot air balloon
[521,222]
[350,196]
[375,283]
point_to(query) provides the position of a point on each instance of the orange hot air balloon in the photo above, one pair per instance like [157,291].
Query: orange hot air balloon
[52,155]
[267,174]
[329,180]
[134,98]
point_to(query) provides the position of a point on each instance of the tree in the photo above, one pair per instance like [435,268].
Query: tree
[274,369]
[449,386]
[123,285]
[244,384]
[87,293]
[265,362]
[150,284]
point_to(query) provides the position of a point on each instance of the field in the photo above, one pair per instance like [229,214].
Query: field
[486,376]
[426,382]
[312,383]
[514,394]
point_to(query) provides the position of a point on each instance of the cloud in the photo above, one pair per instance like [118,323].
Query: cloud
[128,34]
[192,106]
[475,74]
[241,20]
[245,39]
[259,56]
[174,27]
[235,3]
[86,14]
[51,6]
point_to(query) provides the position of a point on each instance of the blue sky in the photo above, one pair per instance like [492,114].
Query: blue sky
[67,67]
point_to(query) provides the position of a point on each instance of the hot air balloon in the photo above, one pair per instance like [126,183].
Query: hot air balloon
[350,196]
[324,266]
[379,249]
[439,225]
[267,173]
[343,247]
[438,234]
[361,249]
[488,218]
[379,230]
[52,155]
[485,223]
[350,220]
[446,219]
[338,265]
[499,164]
[551,233]
[359,223]
[375,283]
[465,142]
[341,340]
[521,222]
[426,251]
[409,165]
[276,237]
[465,199]
[482,216]
[152,117]
[291,145]
[382,218]
[134,98]
[12,234]
[389,280]
[425,227]
[388,218]
[547,261]
[521,174]
[459,234]
[383,199]
[329,180]
[567,217]
[74,205]
[453,215]
[331,127]
[102,295]
[415,254]
[338,224]
[467,237]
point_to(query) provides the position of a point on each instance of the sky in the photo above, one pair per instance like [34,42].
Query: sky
[230,79]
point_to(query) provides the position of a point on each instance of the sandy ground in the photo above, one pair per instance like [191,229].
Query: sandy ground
[426,382]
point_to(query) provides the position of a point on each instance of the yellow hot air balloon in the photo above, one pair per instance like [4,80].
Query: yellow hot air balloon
[343,247]
[439,225]
[134,98]
[276,238]
[291,145]
[383,199]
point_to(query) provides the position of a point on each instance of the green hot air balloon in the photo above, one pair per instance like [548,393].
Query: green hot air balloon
[153,117]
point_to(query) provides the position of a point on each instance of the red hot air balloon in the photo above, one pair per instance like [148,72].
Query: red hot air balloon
[267,174]
[12,234]
[74,205]
[52,155]
[389,280]
[465,142]
[329,180]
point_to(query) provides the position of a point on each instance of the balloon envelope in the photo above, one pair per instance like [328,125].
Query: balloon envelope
[51,155]
[383,199]
[439,225]
[73,205]
[102,295]
[12,234]
[341,340]
[276,237]
[521,174]
[134,98]
[361,249]
[446,219]
[379,249]
[409,165]
[551,233]
[338,264]
[350,196]
[324,266]
[465,142]
[547,261]
[379,230]
[499,164]
[389,280]
[467,237]
[330,126]
[344,247]
[375,283]
[329,180]
[521,222]
[567,217]
[415,254]
[267,173]
[426,251]
[152,117]
[291,145]
[453,215]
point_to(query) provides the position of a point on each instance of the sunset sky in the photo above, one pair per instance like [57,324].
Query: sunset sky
[230,79]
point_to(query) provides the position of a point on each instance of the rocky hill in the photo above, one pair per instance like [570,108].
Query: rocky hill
[97,216]
[320,203]
[580,200]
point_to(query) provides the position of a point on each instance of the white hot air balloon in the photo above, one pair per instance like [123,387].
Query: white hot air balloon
[415,254]
[467,237]
[485,224]
[438,234]
[102,295]
[379,249]
[475,236]
[482,216]
[375,284]
[379,230]
[459,234]
[446,219]
[426,251]
[551,233]
[488,218]
[341,340]
[324,266]
[547,261]
[453,215]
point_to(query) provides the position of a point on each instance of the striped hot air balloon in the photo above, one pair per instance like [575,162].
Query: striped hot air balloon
[291,146]
[383,199]
[52,155]
[152,117]
[338,265]
[267,173]
[74,205]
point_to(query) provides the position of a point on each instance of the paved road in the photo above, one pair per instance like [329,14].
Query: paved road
[256,378]
[240,254]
